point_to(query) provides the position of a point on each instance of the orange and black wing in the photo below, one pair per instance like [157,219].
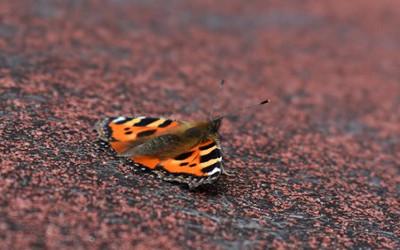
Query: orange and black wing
[198,165]
[123,133]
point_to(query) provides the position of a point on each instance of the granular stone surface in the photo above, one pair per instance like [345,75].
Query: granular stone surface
[318,167]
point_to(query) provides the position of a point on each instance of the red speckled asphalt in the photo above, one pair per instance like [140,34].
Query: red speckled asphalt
[319,167]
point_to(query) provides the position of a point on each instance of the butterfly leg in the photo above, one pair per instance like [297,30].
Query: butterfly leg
[224,172]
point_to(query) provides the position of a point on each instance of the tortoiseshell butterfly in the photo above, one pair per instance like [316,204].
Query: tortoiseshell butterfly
[183,151]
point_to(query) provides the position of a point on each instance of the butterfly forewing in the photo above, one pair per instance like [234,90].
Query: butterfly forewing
[124,133]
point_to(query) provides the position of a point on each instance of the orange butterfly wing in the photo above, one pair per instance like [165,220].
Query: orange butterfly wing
[199,165]
[122,132]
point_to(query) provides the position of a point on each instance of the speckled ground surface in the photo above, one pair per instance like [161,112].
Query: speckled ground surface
[318,167]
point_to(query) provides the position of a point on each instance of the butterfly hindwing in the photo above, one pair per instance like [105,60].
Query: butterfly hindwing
[199,165]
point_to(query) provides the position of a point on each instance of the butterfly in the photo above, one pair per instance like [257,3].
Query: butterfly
[181,151]
[186,152]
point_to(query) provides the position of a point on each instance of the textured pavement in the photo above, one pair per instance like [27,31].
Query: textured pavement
[318,167]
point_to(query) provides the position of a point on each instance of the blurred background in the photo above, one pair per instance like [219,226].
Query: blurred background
[317,167]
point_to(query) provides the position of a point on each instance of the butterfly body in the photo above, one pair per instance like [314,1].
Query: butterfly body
[182,151]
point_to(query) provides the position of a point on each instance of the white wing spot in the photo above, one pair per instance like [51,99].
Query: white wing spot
[119,119]
[215,170]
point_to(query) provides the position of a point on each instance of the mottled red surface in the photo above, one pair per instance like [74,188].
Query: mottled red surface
[318,167]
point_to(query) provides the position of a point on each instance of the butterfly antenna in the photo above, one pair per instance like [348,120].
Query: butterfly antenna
[221,85]
[240,110]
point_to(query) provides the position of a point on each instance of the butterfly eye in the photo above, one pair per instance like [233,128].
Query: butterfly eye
[216,124]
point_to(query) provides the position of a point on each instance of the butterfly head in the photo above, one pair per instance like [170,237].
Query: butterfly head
[214,125]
